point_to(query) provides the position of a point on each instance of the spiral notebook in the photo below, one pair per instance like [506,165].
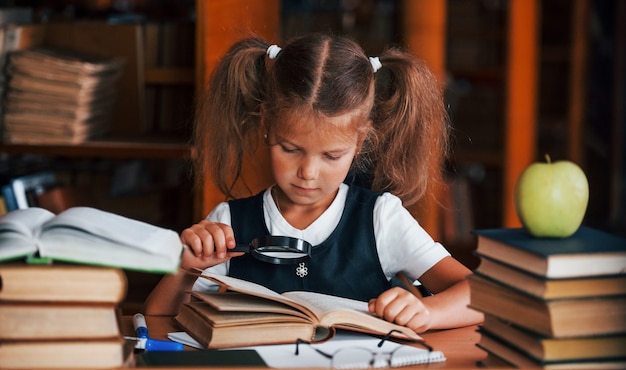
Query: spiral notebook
[283,355]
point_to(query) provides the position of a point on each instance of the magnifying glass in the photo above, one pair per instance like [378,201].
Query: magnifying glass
[279,250]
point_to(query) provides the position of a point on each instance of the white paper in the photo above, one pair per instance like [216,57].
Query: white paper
[283,355]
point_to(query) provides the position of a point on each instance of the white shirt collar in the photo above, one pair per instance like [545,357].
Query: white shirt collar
[315,233]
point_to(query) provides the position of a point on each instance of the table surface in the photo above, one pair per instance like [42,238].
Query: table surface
[459,345]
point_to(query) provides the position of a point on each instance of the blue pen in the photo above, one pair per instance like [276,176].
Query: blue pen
[141,328]
[146,343]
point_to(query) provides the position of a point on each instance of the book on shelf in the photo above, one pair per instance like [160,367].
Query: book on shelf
[56,95]
[25,188]
[518,359]
[57,321]
[251,314]
[588,252]
[549,317]
[61,283]
[13,37]
[8,198]
[22,191]
[17,36]
[86,235]
[549,349]
[69,354]
[545,288]
[32,128]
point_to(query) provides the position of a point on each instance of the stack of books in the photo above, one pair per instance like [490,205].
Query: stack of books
[61,316]
[62,279]
[58,96]
[551,302]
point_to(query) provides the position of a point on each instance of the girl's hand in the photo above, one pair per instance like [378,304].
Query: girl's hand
[402,307]
[207,245]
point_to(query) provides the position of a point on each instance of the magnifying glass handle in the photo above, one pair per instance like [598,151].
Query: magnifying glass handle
[240,248]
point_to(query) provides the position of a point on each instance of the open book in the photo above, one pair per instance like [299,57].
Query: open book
[88,236]
[250,314]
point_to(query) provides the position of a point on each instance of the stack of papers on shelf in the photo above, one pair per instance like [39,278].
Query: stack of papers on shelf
[58,96]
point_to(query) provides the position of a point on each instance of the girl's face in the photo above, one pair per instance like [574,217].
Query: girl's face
[309,164]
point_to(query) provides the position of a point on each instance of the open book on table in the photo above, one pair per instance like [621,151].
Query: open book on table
[90,236]
[248,314]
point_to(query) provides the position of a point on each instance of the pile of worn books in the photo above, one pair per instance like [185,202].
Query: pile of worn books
[58,96]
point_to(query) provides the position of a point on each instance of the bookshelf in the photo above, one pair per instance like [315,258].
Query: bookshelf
[509,118]
[175,206]
[135,132]
[529,78]
[112,148]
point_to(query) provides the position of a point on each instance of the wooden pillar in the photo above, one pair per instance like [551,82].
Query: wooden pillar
[424,32]
[219,25]
[618,153]
[521,99]
[578,80]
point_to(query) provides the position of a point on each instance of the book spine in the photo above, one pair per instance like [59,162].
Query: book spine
[9,198]
[36,183]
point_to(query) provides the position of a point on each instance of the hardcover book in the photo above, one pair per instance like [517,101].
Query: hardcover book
[61,283]
[90,236]
[518,359]
[69,354]
[57,321]
[548,349]
[545,288]
[250,314]
[588,252]
[555,317]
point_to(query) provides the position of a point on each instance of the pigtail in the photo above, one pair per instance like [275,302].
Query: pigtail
[411,126]
[228,122]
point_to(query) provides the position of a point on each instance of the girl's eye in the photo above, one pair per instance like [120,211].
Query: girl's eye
[332,157]
[289,149]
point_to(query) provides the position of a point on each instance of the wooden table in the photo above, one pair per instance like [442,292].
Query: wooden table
[459,345]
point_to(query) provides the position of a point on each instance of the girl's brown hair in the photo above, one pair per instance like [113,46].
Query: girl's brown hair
[325,75]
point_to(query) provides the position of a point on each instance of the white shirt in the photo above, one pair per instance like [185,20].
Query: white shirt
[402,244]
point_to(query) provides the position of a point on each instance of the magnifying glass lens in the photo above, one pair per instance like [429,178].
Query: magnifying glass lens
[279,249]
[280,252]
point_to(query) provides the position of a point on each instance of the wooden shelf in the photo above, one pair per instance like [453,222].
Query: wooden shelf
[489,75]
[108,148]
[169,76]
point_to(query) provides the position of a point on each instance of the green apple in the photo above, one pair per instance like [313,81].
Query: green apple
[551,198]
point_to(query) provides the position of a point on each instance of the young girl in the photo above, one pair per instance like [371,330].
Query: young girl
[326,121]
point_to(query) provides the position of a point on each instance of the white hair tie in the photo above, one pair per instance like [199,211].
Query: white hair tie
[376,64]
[273,51]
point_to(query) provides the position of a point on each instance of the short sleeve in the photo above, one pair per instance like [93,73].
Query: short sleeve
[403,245]
[221,213]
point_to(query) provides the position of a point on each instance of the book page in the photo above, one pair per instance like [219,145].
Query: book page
[97,224]
[328,310]
[322,304]
[17,230]
[348,313]
[242,302]
[283,355]
[258,290]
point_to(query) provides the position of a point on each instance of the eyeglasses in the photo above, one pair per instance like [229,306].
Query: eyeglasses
[363,358]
